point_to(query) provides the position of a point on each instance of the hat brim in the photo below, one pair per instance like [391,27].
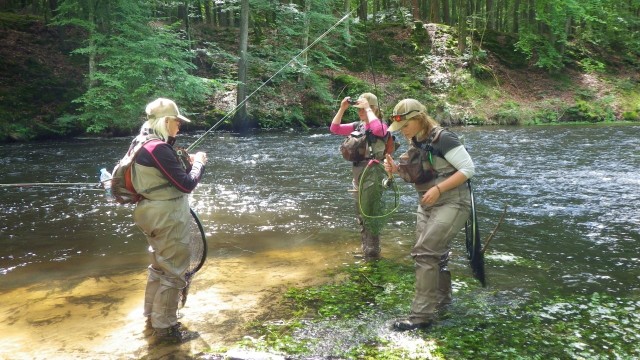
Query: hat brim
[183,118]
[397,125]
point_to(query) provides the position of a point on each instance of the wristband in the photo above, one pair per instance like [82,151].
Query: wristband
[439,191]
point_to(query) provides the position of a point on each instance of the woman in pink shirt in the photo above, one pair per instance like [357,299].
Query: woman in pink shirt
[370,123]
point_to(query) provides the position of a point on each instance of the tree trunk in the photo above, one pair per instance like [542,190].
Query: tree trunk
[415,10]
[491,15]
[53,7]
[347,30]
[305,36]
[187,23]
[434,11]
[531,14]
[376,9]
[516,17]
[240,121]
[208,19]
[92,44]
[446,12]
[462,25]
[454,12]
[363,11]
[562,47]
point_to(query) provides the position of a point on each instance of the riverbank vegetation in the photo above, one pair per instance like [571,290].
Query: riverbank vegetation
[350,318]
[76,67]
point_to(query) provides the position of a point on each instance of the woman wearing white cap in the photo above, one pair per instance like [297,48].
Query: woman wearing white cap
[439,166]
[370,123]
[163,215]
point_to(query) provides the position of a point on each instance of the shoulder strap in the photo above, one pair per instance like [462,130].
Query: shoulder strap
[137,149]
[427,145]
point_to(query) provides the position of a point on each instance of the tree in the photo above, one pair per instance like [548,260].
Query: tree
[240,122]
[462,26]
[132,60]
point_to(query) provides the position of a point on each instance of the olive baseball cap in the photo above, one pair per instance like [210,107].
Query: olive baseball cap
[403,111]
[161,107]
[372,99]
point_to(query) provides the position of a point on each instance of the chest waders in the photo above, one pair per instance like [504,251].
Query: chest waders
[436,225]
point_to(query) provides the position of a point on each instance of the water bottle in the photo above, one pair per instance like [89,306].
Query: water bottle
[105,181]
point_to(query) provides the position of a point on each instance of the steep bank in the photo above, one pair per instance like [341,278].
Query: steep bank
[40,78]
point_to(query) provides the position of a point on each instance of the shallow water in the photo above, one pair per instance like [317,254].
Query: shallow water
[277,213]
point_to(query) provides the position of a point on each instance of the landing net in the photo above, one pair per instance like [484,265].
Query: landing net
[378,196]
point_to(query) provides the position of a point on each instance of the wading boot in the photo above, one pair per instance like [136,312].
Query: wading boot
[411,324]
[174,335]
[370,246]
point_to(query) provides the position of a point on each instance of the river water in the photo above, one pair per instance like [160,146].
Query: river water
[277,212]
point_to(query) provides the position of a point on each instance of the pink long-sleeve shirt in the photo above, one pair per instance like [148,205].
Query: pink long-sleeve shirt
[377,127]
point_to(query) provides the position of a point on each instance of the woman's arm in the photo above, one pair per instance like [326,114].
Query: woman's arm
[371,121]
[336,124]
[162,157]
[377,127]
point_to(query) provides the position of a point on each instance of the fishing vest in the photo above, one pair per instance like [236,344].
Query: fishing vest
[423,165]
[151,183]
[363,145]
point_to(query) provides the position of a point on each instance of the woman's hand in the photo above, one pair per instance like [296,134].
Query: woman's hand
[344,104]
[431,196]
[199,157]
[363,103]
[389,165]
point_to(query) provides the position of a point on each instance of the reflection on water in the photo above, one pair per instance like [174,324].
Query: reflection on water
[572,223]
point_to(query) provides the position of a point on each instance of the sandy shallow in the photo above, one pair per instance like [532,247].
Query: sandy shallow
[101,317]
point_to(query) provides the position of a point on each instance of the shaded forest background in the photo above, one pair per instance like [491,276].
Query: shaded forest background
[78,67]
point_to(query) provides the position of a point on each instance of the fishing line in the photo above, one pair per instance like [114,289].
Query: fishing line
[48,184]
[233,111]
[370,57]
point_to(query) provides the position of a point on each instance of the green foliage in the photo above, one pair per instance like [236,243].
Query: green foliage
[140,55]
[631,116]
[17,21]
[502,45]
[479,325]
[382,284]
[347,85]
[509,113]
[276,338]
[591,66]
[537,46]
[134,63]
[583,327]
[593,111]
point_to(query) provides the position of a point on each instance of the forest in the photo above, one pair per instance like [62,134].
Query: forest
[88,67]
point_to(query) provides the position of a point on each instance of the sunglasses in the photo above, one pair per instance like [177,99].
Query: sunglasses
[402,117]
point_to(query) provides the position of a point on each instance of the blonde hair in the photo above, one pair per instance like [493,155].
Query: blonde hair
[377,111]
[156,127]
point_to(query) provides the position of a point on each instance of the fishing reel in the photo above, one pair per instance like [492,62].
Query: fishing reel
[387,182]
[184,158]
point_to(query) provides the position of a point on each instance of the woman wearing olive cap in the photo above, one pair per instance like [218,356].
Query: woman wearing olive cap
[163,215]
[439,166]
[370,121]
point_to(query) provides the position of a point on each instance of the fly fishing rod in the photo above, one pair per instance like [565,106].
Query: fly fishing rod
[225,117]
[293,59]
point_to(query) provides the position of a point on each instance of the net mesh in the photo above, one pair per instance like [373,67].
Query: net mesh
[378,196]
[198,249]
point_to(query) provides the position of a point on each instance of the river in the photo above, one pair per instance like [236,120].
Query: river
[277,213]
